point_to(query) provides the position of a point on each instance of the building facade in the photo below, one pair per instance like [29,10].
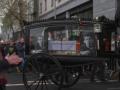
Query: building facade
[105,7]
[30,11]
[47,9]
[64,8]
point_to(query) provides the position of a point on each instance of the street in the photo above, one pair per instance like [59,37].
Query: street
[15,83]
[60,42]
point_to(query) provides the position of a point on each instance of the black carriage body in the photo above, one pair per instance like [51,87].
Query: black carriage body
[55,55]
[101,43]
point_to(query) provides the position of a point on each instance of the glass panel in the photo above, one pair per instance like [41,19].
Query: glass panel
[36,39]
[64,39]
[72,40]
[87,44]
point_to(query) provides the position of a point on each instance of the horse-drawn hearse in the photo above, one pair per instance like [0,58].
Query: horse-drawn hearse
[58,51]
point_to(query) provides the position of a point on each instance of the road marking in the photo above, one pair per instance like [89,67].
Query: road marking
[21,84]
[50,82]
[113,88]
[10,85]
[96,80]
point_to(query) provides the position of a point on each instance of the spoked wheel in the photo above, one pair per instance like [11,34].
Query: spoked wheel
[70,77]
[39,68]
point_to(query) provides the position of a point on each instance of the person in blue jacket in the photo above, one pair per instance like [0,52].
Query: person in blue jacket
[20,51]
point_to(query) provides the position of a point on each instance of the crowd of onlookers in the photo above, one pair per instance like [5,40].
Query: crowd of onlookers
[8,48]
[12,47]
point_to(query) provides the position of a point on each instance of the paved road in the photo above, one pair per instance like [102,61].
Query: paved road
[15,83]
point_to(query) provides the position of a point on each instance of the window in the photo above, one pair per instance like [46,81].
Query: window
[45,5]
[59,0]
[52,3]
[40,8]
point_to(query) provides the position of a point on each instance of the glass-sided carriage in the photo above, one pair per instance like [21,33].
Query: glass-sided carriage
[58,48]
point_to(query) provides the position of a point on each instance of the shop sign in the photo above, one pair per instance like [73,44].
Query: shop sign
[97,28]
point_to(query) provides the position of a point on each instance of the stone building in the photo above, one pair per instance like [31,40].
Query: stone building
[46,9]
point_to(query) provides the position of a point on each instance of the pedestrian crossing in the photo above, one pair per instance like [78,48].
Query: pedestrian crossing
[49,82]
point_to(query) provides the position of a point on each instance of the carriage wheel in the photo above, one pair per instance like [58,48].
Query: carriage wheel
[71,77]
[37,71]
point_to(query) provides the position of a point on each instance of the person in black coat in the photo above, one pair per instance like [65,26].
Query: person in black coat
[20,51]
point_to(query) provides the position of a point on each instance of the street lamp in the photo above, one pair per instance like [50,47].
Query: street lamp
[97,26]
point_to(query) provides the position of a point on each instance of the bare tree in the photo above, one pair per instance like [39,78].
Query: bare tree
[15,12]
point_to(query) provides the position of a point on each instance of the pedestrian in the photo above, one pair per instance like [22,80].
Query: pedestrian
[98,69]
[6,63]
[20,50]
[11,48]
